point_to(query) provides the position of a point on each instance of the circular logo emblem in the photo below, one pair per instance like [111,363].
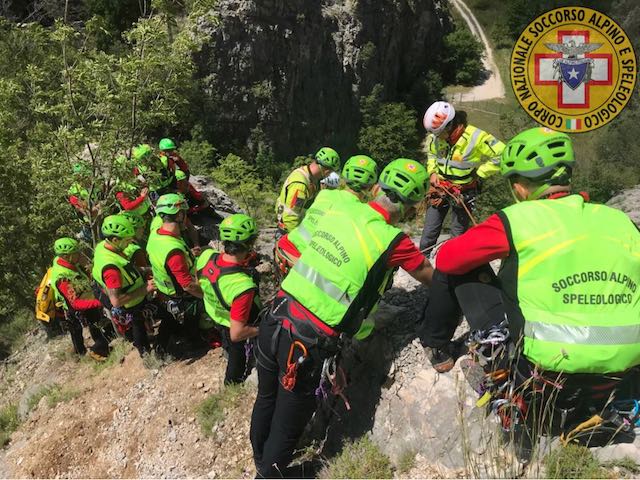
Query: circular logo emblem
[362,162]
[411,167]
[573,69]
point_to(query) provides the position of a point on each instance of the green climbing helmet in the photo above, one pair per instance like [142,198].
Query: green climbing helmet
[136,220]
[360,171]
[167,144]
[406,179]
[65,246]
[142,151]
[238,228]
[171,203]
[329,158]
[537,153]
[118,226]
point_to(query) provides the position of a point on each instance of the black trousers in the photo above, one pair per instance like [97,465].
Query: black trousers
[75,319]
[477,294]
[279,416]
[237,370]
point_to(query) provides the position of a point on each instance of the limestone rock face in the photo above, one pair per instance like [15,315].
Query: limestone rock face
[295,69]
[629,202]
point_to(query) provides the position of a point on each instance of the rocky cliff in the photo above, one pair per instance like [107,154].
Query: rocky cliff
[292,71]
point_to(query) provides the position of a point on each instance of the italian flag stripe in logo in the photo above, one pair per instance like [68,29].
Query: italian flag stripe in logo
[574,124]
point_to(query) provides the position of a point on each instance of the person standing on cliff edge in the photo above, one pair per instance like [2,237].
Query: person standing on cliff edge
[459,157]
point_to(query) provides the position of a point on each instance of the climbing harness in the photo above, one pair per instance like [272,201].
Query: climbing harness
[461,199]
[332,380]
[290,377]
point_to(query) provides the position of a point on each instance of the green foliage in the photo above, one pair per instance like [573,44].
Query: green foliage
[65,101]
[243,182]
[120,348]
[572,461]
[212,409]
[389,130]
[406,461]
[199,154]
[9,422]
[13,329]
[359,459]
[462,58]
[54,394]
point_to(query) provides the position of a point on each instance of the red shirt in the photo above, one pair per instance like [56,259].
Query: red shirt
[75,201]
[177,263]
[128,204]
[287,247]
[479,245]
[66,289]
[242,304]
[404,254]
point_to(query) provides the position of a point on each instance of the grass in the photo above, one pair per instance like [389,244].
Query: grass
[9,422]
[359,459]
[119,349]
[54,394]
[626,464]
[212,409]
[573,461]
[406,461]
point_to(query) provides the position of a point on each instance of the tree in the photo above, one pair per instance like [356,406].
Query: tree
[462,58]
[388,129]
[64,101]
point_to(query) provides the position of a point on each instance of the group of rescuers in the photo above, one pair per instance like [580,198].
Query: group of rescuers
[567,283]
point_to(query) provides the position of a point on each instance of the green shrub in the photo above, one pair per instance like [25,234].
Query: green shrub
[54,394]
[572,461]
[389,130]
[13,329]
[119,349]
[462,58]
[199,154]
[9,422]
[359,459]
[212,409]
[243,183]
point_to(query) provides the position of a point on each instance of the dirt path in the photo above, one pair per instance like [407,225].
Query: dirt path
[493,86]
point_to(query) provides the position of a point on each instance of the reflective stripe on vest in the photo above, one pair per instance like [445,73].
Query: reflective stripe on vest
[609,335]
[220,286]
[574,269]
[130,275]
[300,175]
[459,162]
[315,278]
[158,248]
[338,276]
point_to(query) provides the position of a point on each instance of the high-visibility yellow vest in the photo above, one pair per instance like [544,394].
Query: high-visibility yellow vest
[339,275]
[574,270]
[221,286]
[475,154]
[297,194]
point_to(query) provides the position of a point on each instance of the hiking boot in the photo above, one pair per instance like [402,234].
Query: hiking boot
[96,356]
[440,358]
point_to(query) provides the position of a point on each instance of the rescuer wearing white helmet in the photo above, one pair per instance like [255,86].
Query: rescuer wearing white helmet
[459,157]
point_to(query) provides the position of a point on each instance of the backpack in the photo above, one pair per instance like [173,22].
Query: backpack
[45,299]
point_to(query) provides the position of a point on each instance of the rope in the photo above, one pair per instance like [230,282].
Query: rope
[460,201]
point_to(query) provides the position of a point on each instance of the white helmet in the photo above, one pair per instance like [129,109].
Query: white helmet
[331,181]
[438,116]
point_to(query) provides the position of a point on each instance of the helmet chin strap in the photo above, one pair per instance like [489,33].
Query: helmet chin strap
[559,177]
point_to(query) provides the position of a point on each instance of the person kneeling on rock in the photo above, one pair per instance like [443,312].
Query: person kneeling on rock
[230,287]
[559,296]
